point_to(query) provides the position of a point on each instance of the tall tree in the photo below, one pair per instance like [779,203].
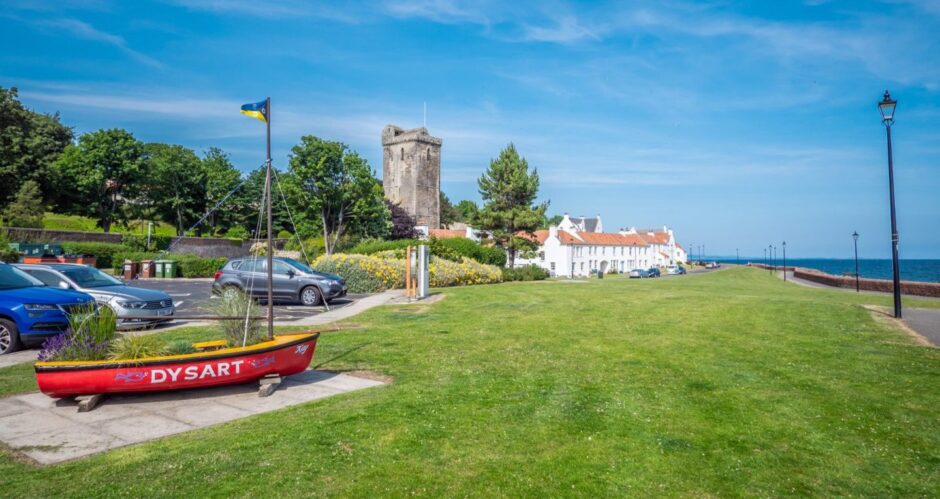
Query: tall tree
[176,185]
[468,211]
[548,221]
[100,174]
[509,193]
[221,178]
[29,143]
[26,210]
[336,187]
[449,214]
[403,224]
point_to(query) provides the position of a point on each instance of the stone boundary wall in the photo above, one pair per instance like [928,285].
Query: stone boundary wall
[24,235]
[883,285]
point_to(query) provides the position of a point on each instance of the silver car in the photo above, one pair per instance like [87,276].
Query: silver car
[134,307]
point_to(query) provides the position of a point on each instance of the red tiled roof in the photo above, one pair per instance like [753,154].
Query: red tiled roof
[538,236]
[446,233]
[655,237]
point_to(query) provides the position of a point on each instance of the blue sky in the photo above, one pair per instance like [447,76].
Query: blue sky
[737,123]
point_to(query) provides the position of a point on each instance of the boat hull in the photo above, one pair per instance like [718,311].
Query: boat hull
[286,355]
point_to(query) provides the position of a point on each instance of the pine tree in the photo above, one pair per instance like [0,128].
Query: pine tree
[509,193]
[26,210]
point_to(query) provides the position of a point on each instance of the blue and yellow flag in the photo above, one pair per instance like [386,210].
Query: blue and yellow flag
[257,110]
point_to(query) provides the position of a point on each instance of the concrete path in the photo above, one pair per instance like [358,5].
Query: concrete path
[51,431]
[348,311]
[926,321]
[18,357]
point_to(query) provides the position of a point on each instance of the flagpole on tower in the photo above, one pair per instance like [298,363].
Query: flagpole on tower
[268,191]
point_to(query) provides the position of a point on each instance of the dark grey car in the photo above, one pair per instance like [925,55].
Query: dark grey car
[293,280]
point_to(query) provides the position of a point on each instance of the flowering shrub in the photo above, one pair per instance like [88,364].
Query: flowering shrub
[88,336]
[67,346]
[446,273]
[364,273]
[386,270]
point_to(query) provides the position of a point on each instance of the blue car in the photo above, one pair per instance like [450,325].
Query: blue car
[30,311]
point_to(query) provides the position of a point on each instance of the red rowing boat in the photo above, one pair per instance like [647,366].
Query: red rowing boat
[284,355]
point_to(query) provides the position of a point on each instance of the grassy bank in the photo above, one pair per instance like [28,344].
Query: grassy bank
[721,384]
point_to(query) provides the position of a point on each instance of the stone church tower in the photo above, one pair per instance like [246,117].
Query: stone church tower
[411,173]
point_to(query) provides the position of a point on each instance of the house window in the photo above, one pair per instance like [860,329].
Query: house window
[552,266]
[542,257]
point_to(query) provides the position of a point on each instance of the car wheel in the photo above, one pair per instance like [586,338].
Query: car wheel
[310,296]
[9,337]
[230,292]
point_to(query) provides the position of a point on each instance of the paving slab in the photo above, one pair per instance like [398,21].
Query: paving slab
[51,431]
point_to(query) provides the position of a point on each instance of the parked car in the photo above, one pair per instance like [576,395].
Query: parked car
[30,311]
[680,270]
[639,273]
[654,272]
[134,307]
[293,280]
[675,270]
[710,265]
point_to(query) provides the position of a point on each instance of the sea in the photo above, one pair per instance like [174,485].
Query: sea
[911,270]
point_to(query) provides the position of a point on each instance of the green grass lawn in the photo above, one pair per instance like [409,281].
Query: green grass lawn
[730,383]
[55,221]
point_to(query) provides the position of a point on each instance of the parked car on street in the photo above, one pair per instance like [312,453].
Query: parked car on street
[639,273]
[654,272]
[134,307]
[680,270]
[293,281]
[30,311]
[675,270]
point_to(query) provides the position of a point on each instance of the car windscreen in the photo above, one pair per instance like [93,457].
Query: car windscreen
[87,277]
[14,278]
[299,266]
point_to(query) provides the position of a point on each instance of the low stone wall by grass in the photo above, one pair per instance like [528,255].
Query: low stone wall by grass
[883,285]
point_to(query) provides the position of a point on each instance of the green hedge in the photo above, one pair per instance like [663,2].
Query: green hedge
[525,273]
[451,249]
[104,253]
[189,265]
[139,243]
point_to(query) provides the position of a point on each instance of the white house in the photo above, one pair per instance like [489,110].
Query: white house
[578,247]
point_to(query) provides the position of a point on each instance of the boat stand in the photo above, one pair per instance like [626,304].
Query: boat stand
[268,384]
[87,403]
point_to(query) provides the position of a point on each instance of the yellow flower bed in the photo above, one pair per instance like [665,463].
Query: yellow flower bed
[384,270]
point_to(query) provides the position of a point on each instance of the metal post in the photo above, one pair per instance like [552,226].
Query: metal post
[894,231]
[855,239]
[784,261]
[268,196]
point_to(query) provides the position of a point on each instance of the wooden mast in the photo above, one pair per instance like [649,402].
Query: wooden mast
[267,197]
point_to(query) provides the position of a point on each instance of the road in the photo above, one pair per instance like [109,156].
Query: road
[194,297]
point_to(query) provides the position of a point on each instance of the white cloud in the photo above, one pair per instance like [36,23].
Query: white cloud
[85,31]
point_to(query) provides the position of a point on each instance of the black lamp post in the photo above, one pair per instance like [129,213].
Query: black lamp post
[886,106]
[855,238]
[737,256]
[784,261]
[774,258]
[765,256]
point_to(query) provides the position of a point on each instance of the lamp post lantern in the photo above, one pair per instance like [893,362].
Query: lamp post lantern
[855,239]
[784,261]
[886,107]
